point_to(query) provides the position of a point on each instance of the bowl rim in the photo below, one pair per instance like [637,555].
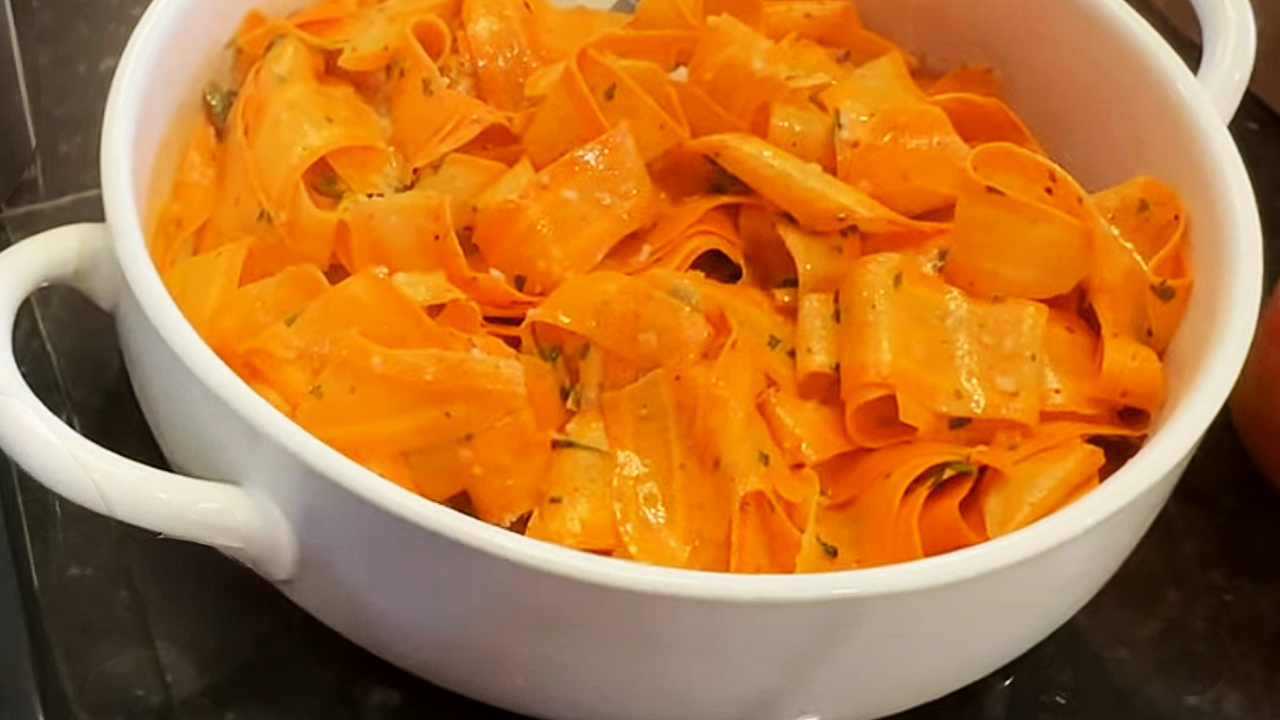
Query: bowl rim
[1164,453]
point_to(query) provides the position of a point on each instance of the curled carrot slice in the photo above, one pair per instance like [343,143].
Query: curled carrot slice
[891,142]
[1019,230]
[567,220]
[979,120]
[817,200]
[941,351]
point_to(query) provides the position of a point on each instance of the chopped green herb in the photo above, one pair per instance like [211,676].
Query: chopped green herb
[959,423]
[264,215]
[289,321]
[218,102]
[936,475]
[610,92]
[775,342]
[930,480]
[831,551]
[1144,206]
[554,499]
[940,259]
[1164,291]
[317,392]
[897,280]
[469,247]
[564,443]
[520,281]
[428,88]
[327,184]
[549,353]
[764,458]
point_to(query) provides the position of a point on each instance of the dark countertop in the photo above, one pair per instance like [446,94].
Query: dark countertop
[125,625]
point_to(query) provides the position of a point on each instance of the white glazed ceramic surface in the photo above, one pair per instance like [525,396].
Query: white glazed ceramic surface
[554,633]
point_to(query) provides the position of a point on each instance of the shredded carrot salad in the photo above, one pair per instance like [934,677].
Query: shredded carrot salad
[730,285]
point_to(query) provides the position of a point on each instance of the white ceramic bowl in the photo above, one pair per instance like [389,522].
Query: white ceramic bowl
[560,634]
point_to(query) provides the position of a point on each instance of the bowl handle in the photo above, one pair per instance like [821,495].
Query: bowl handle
[1230,36]
[241,524]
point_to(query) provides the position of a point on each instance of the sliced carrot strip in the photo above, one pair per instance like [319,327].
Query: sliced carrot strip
[566,221]
[623,100]
[191,200]
[578,510]
[967,80]
[825,21]
[507,45]
[817,200]
[942,352]
[1019,230]
[668,15]
[201,285]
[628,317]
[1034,487]
[254,307]
[657,475]
[890,142]
[809,431]
[371,399]
[980,120]
[569,118]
